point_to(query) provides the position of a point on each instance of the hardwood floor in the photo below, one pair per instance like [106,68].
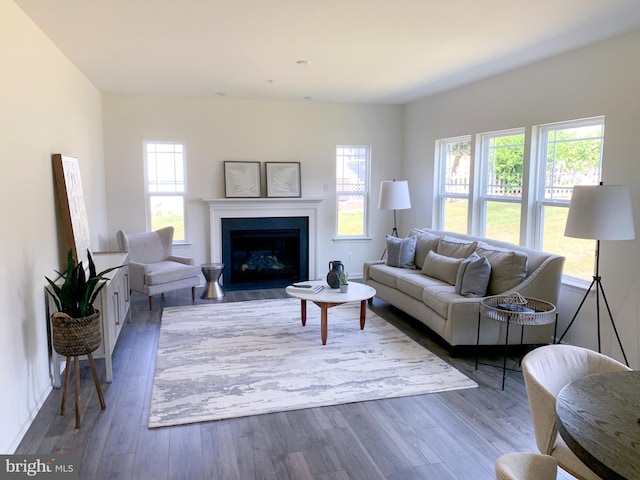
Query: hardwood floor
[449,435]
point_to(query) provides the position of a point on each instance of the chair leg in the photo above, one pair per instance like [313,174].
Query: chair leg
[150,302]
[76,380]
[65,384]
[94,372]
[193,293]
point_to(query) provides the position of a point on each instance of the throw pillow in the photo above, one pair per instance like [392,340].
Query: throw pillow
[401,251]
[455,247]
[425,242]
[441,267]
[508,267]
[473,276]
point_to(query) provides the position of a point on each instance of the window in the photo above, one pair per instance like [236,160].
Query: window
[352,189]
[570,153]
[482,191]
[165,182]
[455,174]
[502,160]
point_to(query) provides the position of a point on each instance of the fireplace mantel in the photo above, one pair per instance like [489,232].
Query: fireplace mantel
[220,208]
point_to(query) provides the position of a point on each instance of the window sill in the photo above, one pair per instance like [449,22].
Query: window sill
[182,244]
[351,239]
[578,285]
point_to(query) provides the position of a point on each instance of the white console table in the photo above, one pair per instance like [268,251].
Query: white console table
[113,302]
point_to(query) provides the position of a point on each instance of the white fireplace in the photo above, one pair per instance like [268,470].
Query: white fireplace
[220,208]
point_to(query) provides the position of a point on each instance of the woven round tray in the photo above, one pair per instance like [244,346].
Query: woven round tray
[75,336]
[536,312]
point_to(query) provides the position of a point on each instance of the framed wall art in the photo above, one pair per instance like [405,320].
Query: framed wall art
[283,179]
[241,179]
[66,173]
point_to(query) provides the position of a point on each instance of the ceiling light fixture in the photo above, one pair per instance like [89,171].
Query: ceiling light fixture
[222,94]
[303,62]
[309,98]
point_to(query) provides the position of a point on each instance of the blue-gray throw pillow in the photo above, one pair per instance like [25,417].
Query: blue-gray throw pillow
[473,276]
[401,252]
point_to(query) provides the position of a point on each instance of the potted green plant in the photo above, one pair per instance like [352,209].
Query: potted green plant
[343,276]
[76,325]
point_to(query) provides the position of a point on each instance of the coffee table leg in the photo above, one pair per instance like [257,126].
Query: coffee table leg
[303,312]
[363,313]
[323,322]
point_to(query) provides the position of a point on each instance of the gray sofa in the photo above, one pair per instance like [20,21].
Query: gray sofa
[453,316]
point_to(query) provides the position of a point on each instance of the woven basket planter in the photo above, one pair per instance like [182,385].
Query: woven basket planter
[76,336]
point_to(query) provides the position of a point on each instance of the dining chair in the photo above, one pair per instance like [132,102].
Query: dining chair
[526,466]
[153,269]
[546,371]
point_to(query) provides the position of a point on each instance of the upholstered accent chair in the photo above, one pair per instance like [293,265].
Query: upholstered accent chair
[153,269]
[526,466]
[546,371]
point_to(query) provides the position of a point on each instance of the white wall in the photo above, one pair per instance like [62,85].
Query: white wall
[602,79]
[219,129]
[48,107]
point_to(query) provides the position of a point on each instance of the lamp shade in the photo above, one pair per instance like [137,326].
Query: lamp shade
[394,195]
[600,212]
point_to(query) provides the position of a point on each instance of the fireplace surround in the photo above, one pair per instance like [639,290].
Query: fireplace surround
[238,209]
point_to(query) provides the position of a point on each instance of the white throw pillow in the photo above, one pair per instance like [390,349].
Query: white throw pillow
[455,247]
[425,242]
[441,267]
[508,267]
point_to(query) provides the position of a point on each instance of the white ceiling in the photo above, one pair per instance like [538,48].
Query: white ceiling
[366,51]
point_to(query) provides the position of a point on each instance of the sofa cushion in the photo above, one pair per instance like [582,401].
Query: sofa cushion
[438,298]
[165,272]
[441,267]
[455,247]
[473,276]
[401,251]
[508,267]
[425,242]
[413,285]
[384,274]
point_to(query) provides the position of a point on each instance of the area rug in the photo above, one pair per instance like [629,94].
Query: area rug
[228,360]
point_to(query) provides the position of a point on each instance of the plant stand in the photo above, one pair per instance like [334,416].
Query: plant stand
[74,337]
[76,381]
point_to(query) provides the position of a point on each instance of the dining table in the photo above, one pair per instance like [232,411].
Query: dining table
[598,416]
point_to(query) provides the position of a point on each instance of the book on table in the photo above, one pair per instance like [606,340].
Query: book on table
[306,288]
[510,307]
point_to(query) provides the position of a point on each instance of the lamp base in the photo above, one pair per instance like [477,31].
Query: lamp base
[597,281]
[394,233]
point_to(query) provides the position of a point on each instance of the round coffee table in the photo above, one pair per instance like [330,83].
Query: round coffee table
[331,297]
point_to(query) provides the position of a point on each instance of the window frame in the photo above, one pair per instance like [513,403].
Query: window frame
[532,199]
[441,178]
[366,193]
[149,193]
[540,133]
[482,199]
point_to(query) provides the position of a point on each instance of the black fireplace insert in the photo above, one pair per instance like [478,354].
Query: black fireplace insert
[264,252]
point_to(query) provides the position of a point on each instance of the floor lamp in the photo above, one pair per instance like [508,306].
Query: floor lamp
[394,196]
[600,212]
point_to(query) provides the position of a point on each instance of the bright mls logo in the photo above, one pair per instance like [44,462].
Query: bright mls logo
[58,467]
